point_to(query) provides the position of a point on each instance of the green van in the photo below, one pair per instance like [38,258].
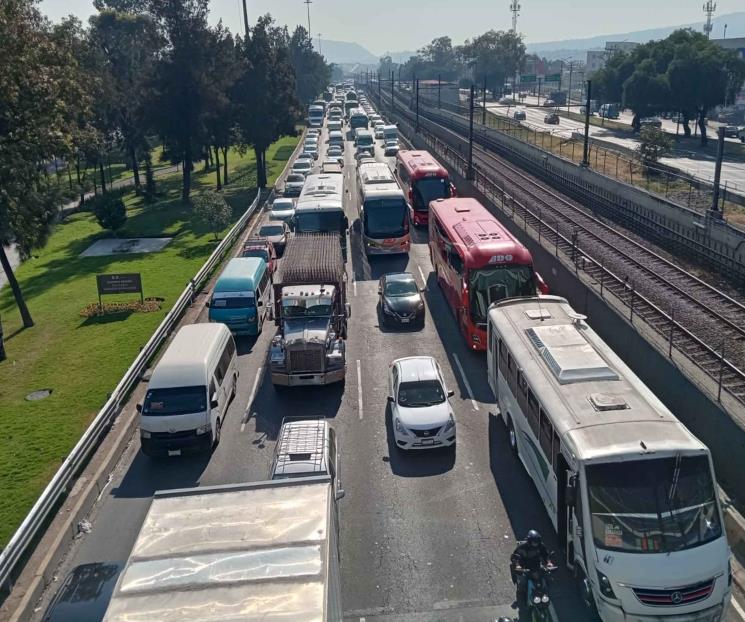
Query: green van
[240,299]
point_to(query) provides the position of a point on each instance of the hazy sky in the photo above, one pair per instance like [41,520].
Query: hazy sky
[396,25]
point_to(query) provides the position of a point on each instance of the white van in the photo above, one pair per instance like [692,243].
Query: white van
[189,392]
[307,447]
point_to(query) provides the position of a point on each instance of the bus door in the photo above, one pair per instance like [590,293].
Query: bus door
[574,523]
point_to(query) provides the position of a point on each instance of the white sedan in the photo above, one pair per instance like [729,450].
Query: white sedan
[421,414]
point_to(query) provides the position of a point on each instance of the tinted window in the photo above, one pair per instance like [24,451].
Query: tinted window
[175,401]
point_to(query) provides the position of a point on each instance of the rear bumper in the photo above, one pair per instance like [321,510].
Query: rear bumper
[165,446]
[309,379]
[375,248]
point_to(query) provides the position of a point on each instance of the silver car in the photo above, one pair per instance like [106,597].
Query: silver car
[421,415]
[294,184]
[283,209]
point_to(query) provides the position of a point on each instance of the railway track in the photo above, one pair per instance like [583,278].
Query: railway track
[702,322]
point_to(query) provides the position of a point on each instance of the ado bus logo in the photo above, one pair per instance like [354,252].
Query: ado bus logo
[500,258]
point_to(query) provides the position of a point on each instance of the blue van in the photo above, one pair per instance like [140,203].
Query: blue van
[240,299]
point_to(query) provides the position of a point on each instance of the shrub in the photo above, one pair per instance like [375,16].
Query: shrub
[212,209]
[110,211]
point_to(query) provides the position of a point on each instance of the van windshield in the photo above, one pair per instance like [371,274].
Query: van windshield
[233,302]
[175,401]
[653,506]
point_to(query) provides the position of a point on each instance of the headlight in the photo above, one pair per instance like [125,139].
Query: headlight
[450,424]
[544,598]
[202,429]
[400,428]
[144,434]
[606,589]
[536,600]
[387,308]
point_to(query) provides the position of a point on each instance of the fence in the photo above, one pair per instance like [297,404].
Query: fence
[42,510]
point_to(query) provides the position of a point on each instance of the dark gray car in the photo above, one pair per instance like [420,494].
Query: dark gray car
[401,302]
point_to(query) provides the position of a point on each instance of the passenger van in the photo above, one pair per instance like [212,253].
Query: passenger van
[364,141]
[336,138]
[189,392]
[241,294]
[307,447]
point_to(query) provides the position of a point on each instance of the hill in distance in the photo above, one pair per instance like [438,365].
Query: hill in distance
[345,53]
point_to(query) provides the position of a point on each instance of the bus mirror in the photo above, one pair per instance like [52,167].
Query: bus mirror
[139,408]
[570,495]
[453,191]
[542,285]
[261,303]
[411,194]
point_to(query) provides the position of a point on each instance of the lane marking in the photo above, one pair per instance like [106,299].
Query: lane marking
[359,387]
[424,281]
[354,285]
[738,608]
[247,414]
[465,382]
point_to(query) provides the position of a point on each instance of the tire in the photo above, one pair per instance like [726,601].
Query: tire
[218,434]
[512,437]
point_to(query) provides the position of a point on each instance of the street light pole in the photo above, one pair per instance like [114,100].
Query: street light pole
[586,149]
[569,93]
[483,112]
[439,100]
[417,106]
[469,172]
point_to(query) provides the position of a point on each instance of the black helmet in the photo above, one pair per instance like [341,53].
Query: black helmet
[533,538]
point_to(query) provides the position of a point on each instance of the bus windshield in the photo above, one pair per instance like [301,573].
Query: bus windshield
[488,285]
[385,218]
[653,506]
[319,222]
[429,189]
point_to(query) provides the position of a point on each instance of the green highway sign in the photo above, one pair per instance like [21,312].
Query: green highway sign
[528,78]
[554,77]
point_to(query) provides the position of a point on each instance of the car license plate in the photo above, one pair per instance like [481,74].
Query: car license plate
[174,452]
[404,320]
[428,441]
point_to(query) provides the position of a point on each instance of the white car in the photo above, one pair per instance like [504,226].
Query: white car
[313,131]
[283,209]
[379,131]
[311,149]
[302,166]
[294,184]
[421,415]
[391,148]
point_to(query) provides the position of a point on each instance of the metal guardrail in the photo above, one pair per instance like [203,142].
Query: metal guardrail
[47,502]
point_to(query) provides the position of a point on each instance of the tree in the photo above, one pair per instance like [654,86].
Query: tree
[181,82]
[655,143]
[39,99]
[212,209]
[312,74]
[110,211]
[494,56]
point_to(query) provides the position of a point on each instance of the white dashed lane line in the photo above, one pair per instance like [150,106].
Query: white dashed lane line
[359,387]
[467,384]
[247,414]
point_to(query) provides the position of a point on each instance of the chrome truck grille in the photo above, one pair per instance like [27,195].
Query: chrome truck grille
[307,360]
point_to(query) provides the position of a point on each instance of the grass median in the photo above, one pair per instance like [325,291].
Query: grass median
[82,359]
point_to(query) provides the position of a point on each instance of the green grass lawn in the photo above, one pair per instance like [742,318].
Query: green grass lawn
[80,359]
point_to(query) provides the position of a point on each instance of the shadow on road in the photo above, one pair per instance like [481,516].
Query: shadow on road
[146,475]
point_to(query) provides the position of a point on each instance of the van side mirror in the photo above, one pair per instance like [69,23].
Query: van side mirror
[451,393]
[139,408]
[339,494]
[214,403]
[570,493]
[260,303]
[207,304]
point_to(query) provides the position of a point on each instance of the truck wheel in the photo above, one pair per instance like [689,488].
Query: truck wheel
[512,437]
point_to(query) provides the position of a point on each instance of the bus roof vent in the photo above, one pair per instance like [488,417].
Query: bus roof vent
[605,401]
[460,207]
[537,314]
[568,355]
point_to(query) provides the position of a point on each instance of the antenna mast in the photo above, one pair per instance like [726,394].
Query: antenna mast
[709,9]
[515,8]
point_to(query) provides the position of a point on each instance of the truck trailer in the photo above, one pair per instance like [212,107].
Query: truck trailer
[248,552]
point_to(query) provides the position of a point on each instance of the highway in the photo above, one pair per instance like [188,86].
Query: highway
[425,536]
[693,163]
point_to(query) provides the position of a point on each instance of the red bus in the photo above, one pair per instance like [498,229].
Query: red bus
[425,180]
[477,262]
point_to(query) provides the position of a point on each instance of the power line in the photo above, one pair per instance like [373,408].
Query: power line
[709,9]
[515,8]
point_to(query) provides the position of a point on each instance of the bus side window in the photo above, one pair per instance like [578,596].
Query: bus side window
[578,512]
[533,413]
[555,452]
[502,351]
[522,384]
[547,433]
[455,261]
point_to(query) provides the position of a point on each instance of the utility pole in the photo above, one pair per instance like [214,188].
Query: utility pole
[483,112]
[725,32]
[709,7]
[439,84]
[569,90]
[319,44]
[515,9]
[469,172]
[416,129]
[308,3]
[586,150]
[539,91]
[393,99]
[380,91]
[718,173]
[245,18]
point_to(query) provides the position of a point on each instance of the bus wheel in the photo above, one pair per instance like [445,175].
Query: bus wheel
[512,436]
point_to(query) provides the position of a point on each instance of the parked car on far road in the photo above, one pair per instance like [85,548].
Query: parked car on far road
[551,119]
[519,115]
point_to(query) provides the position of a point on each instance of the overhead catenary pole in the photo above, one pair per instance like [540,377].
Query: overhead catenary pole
[469,172]
[586,150]
[718,171]
[439,86]
[417,106]
[569,90]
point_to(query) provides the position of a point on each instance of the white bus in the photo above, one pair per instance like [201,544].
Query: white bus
[320,207]
[629,489]
[316,114]
[384,213]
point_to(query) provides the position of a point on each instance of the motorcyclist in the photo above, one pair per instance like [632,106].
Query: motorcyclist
[526,560]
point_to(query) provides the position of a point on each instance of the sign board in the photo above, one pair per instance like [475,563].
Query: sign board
[130,283]
[552,77]
[528,78]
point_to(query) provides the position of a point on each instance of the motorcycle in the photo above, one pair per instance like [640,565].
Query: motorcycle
[537,601]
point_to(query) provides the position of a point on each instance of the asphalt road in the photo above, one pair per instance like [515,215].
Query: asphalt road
[425,536]
[699,165]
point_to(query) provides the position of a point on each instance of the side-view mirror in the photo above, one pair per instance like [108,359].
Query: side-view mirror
[260,303]
[348,309]
[542,285]
[207,304]
[570,493]
[139,408]
[422,290]
[390,398]
[214,403]
[380,291]
[451,393]
[339,494]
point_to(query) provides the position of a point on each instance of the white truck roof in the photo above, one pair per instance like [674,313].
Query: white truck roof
[244,552]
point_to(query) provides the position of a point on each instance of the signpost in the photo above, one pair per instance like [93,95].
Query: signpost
[130,283]
[553,77]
